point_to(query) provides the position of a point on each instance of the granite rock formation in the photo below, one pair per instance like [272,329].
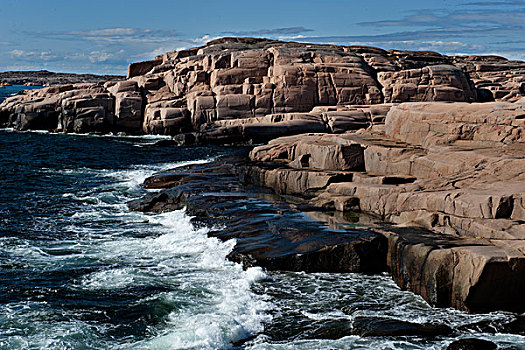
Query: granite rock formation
[242,89]
[456,170]
[268,232]
[430,143]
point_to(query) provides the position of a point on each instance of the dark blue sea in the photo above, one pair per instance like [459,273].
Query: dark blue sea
[12,90]
[78,270]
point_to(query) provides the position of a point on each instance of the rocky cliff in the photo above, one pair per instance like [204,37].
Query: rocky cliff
[271,86]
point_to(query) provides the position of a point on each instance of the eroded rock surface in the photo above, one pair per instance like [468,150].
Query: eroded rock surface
[243,89]
[456,170]
[384,327]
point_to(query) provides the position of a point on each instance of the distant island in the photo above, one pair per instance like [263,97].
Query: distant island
[47,78]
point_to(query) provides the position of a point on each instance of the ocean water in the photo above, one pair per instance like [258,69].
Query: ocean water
[12,90]
[78,270]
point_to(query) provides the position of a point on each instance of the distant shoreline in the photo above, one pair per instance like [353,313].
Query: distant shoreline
[46,78]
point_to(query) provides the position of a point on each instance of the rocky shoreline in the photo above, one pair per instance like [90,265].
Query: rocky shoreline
[282,233]
[268,232]
[467,192]
[46,78]
[432,144]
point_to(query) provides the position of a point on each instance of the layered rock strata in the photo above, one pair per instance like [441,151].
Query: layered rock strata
[242,89]
[454,169]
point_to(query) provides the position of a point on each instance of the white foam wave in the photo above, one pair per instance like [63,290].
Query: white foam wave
[109,279]
[108,135]
[151,256]
[223,309]
[132,179]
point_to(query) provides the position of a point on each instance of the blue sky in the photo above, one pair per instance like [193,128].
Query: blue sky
[104,36]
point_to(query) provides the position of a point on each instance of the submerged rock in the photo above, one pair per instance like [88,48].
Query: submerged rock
[329,329]
[472,344]
[388,327]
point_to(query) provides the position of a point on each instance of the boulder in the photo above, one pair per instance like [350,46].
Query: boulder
[166,121]
[483,278]
[40,114]
[87,112]
[141,68]
[316,152]
[388,327]
[128,111]
[431,83]
[423,124]
[235,106]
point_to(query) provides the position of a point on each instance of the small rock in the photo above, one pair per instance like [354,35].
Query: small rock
[331,329]
[165,143]
[384,327]
[472,344]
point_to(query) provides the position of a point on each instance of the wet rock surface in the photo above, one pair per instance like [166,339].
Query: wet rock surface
[272,233]
[268,231]
[472,344]
[384,327]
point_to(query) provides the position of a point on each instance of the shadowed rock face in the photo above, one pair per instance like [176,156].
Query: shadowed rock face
[240,89]
[472,344]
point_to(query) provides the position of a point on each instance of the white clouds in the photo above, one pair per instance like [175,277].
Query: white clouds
[111,35]
[110,49]
[103,56]
[21,53]
[291,37]
[271,32]
[497,3]
[449,47]
[41,55]
[109,32]
[511,55]
[162,50]
[203,39]
[100,56]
